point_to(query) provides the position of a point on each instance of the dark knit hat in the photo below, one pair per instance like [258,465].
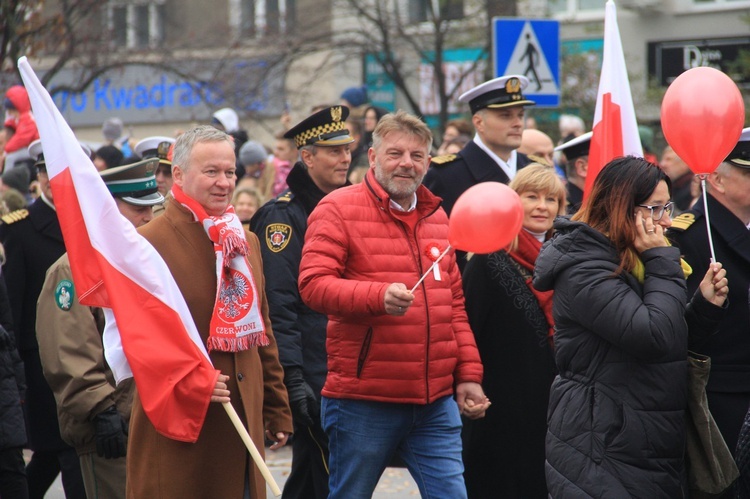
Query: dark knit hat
[17,178]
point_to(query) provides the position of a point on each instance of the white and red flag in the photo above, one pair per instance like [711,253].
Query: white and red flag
[615,127]
[115,267]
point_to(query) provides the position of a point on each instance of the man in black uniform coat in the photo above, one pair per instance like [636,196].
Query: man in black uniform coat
[497,108]
[300,332]
[33,242]
[576,153]
[728,387]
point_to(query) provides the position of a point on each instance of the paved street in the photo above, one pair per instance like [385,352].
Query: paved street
[396,483]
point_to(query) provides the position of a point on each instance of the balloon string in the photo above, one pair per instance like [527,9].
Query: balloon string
[430,269]
[708,221]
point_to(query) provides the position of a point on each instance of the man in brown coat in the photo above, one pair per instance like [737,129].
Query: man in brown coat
[217,465]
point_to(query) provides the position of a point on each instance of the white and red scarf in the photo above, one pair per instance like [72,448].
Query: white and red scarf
[236,322]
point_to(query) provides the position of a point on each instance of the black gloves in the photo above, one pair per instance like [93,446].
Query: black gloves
[302,399]
[111,434]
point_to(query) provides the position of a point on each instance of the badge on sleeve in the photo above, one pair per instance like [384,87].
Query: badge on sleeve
[278,236]
[64,293]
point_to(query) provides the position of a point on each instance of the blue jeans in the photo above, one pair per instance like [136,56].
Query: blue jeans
[364,436]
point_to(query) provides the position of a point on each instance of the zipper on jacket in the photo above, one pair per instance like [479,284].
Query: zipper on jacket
[426,312]
[364,351]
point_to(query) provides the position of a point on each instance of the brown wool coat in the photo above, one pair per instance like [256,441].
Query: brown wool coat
[214,466]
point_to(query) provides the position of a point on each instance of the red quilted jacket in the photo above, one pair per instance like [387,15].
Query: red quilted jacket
[354,249]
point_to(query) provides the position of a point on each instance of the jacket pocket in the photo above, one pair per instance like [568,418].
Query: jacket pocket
[364,351]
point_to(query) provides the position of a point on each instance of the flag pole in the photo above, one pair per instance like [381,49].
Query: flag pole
[703,177]
[252,448]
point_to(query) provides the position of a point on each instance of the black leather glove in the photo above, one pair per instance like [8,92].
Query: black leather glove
[111,434]
[302,399]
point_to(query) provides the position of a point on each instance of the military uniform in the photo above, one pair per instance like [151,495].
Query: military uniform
[72,355]
[729,384]
[450,175]
[83,383]
[573,150]
[33,242]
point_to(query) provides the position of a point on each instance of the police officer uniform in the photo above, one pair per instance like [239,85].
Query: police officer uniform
[450,175]
[300,332]
[574,149]
[92,412]
[33,242]
[728,387]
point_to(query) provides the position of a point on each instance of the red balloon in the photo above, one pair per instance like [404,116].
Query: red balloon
[485,218]
[702,116]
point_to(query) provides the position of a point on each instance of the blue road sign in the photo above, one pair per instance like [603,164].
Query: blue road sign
[529,47]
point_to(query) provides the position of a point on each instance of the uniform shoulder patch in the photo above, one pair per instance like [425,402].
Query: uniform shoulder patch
[278,236]
[15,216]
[441,160]
[683,221]
[64,294]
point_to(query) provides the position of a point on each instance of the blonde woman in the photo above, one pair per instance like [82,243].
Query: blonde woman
[512,323]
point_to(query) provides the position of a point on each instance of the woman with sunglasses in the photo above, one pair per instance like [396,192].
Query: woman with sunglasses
[616,421]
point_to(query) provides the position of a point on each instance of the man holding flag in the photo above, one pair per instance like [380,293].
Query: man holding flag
[195,230]
[192,279]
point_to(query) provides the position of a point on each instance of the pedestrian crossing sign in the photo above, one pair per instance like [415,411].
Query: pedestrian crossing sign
[529,47]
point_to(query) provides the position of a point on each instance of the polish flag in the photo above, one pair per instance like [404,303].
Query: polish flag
[114,267]
[615,127]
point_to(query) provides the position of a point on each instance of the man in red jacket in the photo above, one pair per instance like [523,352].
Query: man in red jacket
[394,356]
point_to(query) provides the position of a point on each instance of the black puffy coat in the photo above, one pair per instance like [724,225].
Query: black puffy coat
[12,380]
[616,421]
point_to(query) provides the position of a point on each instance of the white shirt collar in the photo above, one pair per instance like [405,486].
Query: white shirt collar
[509,168]
[412,207]
[47,201]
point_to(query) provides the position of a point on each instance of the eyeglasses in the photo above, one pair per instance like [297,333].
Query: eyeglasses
[658,211]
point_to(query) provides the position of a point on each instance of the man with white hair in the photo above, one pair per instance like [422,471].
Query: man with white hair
[728,201]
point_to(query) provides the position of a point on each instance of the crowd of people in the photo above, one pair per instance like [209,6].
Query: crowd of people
[555,367]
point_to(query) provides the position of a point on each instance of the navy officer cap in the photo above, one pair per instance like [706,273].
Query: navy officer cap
[505,91]
[577,147]
[37,154]
[155,147]
[740,155]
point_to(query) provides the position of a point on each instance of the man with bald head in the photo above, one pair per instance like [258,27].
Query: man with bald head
[537,143]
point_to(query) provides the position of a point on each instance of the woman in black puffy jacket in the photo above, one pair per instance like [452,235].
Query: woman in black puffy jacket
[616,420]
[12,390]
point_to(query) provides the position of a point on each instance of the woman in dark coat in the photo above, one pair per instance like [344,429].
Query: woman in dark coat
[12,391]
[616,424]
[512,323]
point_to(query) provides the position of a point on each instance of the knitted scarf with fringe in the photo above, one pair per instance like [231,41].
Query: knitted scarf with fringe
[236,321]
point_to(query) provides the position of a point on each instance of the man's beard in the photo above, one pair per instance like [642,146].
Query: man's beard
[394,190]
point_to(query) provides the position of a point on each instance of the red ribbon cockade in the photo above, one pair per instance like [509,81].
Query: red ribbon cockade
[433,251]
